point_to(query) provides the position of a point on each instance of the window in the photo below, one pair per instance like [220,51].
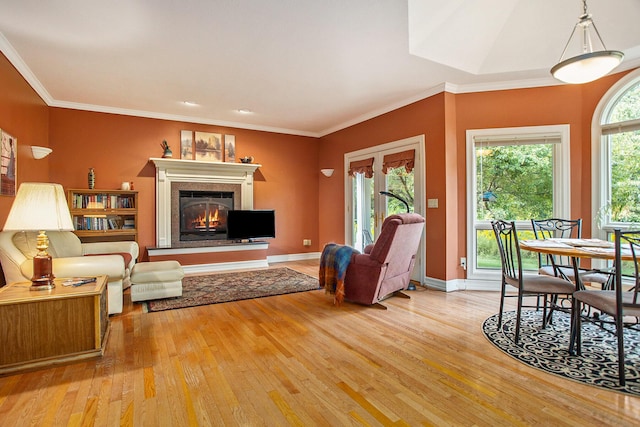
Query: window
[513,174]
[617,191]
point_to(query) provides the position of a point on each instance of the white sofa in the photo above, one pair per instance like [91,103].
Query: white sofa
[70,260]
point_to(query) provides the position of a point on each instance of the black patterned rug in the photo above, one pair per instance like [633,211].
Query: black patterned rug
[547,349]
[225,287]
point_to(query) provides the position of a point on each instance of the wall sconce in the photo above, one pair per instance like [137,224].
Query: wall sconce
[327,172]
[40,152]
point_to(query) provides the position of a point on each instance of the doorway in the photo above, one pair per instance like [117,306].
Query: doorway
[384,180]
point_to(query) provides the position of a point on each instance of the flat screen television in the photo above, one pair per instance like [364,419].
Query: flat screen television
[251,224]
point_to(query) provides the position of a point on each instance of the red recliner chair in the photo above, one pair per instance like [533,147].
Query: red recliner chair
[385,267]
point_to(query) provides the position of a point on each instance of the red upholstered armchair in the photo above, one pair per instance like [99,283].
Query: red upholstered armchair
[385,267]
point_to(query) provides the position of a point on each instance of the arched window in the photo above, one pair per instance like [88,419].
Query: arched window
[617,158]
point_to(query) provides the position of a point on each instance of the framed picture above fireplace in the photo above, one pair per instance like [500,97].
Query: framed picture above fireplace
[229,148]
[208,147]
[186,144]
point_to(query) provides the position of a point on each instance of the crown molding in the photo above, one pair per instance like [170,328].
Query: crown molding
[17,61]
[178,118]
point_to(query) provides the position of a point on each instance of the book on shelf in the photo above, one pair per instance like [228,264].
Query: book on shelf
[102,201]
[129,224]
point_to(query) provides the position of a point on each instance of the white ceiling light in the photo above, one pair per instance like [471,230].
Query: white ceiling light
[588,65]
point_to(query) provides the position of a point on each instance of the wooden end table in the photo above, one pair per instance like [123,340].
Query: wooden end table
[42,328]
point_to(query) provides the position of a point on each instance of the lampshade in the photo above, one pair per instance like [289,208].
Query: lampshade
[589,64]
[327,172]
[39,206]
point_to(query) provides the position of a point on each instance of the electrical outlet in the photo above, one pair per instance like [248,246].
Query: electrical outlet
[463,263]
[306,242]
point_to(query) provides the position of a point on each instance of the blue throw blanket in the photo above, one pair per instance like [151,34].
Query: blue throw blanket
[333,268]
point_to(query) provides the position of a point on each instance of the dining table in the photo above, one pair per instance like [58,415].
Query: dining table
[575,249]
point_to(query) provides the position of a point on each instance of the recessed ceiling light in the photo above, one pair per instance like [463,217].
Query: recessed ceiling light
[244,111]
[189,103]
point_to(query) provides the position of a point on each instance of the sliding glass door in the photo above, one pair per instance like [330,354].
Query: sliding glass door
[382,182]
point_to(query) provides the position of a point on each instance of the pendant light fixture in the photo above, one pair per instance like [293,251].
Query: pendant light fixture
[589,65]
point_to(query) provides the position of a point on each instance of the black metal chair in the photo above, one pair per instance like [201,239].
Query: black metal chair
[561,266]
[527,285]
[617,309]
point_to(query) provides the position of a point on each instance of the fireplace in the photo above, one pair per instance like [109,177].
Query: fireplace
[203,214]
[174,176]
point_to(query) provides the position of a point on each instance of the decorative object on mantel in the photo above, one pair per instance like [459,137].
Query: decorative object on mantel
[186,144]
[167,151]
[246,159]
[208,147]
[40,152]
[91,178]
[327,172]
[8,168]
[225,287]
[230,148]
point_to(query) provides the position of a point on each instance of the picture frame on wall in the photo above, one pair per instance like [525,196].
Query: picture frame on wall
[8,160]
[186,144]
[208,147]
[230,148]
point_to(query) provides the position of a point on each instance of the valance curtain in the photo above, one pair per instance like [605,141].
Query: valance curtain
[362,166]
[398,160]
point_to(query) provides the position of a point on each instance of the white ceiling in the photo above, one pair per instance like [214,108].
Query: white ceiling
[306,67]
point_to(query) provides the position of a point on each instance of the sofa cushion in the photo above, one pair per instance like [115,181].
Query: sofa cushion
[126,256]
[25,241]
[63,244]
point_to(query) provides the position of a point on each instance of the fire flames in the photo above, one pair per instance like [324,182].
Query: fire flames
[211,220]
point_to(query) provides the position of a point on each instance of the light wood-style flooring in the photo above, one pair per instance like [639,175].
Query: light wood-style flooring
[298,360]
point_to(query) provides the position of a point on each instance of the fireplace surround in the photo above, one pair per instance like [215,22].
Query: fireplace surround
[175,175]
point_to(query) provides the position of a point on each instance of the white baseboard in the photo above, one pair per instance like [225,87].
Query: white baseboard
[224,266]
[432,283]
[293,257]
[462,285]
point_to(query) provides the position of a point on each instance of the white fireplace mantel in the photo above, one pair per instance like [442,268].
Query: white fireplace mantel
[176,170]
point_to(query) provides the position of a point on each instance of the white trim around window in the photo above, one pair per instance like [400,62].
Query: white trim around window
[489,279]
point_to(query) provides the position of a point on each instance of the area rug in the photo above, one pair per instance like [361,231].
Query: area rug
[547,349]
[225,287]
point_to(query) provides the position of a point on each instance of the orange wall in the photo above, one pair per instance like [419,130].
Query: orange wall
[444,120]
[308,205]
[423,117]
[118,147]
[25,116]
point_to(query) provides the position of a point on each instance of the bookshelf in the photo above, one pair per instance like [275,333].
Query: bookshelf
[104,215]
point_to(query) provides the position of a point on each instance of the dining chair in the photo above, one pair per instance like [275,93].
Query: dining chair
[618,309]
[562,266]
[527,285]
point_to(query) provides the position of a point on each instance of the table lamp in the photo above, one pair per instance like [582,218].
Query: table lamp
[39,207]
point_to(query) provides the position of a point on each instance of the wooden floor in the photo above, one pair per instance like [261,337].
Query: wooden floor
[298,360]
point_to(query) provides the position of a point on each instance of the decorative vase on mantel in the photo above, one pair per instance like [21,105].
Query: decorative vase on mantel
[167,151]
[91,177]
